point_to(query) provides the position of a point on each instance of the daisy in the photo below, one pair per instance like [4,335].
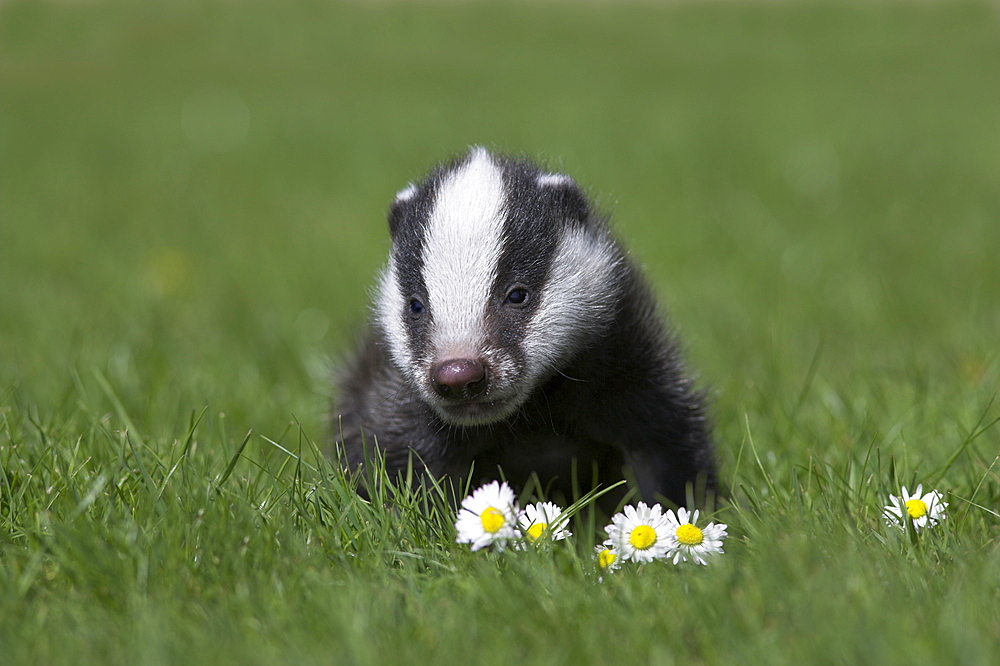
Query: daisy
[688,542]
[488,516]
[543,518]
[607,558]
[639,533]
[923,510]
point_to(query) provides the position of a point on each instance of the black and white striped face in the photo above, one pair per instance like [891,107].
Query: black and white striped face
[498,274]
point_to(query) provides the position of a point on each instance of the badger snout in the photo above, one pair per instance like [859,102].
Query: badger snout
[459,378]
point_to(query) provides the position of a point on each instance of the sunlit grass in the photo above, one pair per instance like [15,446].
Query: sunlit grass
[191,217]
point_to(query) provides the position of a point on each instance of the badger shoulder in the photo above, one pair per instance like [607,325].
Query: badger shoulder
[376,407]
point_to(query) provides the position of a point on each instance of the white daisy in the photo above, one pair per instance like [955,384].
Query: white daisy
[689,542]
[607,559]
[488,516]
[924,510]
[639,533]
[543,518]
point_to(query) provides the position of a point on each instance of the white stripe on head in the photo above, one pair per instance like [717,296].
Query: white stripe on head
[578,300]
[461,249]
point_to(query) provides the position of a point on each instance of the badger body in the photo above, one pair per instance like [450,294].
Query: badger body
[511,332]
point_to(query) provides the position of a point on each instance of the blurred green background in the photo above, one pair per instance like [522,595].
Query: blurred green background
[193,194]
[192,201]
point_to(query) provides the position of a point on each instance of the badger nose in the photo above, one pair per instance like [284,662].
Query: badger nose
[459,378]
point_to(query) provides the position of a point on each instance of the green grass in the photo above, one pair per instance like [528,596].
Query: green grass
[191,214]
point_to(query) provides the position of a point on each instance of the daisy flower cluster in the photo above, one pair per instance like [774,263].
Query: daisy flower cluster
[490,517]
[922,510]
[644,533]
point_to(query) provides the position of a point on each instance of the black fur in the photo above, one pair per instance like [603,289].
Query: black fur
[621,407]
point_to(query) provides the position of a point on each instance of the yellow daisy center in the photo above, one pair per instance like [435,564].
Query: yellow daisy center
[689,535]
[492,519]
[536,530]
[642,537]
[916,508]
[606,558]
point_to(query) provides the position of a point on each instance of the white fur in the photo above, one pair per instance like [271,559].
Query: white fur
[462,246]
[389,312]
[406,193]
[579,295]
[553,180]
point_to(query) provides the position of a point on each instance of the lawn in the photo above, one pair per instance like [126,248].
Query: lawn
[192,202]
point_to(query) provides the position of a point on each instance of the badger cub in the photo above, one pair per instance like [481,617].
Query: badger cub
[511,331]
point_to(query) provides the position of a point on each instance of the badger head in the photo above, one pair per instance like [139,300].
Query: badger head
[499,274]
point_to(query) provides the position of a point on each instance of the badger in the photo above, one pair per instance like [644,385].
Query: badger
[512,335]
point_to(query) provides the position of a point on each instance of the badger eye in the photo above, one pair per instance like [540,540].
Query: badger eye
[416,307]
[517,296]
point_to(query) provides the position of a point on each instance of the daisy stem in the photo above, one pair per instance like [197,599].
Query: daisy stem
[911,529]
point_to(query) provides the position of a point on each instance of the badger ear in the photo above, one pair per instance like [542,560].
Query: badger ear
[400,205]
[566,194]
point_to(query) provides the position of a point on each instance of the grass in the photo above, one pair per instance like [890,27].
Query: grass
[192,214]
